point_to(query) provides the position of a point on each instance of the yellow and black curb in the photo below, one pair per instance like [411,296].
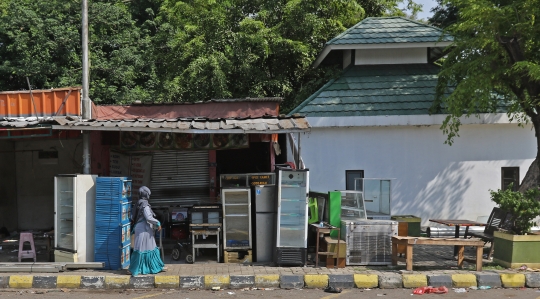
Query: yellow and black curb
[363,281]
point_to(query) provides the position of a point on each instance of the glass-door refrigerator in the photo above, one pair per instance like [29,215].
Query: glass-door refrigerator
[292,216]
[236,219]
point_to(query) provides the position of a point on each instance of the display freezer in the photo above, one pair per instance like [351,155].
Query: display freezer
[292,216]
[74,212]
[369,242]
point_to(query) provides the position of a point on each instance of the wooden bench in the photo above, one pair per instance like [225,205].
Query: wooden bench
[498,219]
[409,242]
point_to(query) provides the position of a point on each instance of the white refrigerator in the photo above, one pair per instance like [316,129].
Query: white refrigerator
[74,217]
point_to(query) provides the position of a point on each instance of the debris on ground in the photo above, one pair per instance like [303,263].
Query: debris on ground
[460,290]
[332,290]
[430,290]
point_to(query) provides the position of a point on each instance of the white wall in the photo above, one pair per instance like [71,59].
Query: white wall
[390,56]
[432,179]
[35,181]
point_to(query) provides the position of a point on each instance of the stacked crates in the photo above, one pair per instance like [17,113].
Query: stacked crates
[112,235]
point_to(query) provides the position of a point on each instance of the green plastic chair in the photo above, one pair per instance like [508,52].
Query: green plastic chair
[313,211]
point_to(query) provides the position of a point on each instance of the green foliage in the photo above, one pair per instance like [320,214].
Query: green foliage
[41,40]
[524,207]
[255,48]
[186,51]
[493,64]
[444,14]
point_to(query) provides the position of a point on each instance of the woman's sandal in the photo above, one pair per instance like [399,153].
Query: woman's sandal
[164,269]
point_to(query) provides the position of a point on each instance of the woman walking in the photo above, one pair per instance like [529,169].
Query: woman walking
[145,258]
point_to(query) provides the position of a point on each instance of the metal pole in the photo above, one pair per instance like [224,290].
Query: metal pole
[32,97]
[86,110]
[300,163]
[298,152]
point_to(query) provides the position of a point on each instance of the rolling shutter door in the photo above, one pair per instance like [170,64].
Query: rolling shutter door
[179,178]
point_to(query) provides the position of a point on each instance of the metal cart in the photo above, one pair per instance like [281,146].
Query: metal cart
[205,230]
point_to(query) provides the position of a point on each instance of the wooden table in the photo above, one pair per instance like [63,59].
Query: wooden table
[457,223]
[409,242]
[326,229]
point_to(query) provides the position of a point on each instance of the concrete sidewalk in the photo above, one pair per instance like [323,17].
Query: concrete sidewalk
[433,266]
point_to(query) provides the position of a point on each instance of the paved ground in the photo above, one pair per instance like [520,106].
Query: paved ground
[299,294]
[426,259]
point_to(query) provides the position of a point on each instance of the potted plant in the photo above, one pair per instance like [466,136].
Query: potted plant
[516,245]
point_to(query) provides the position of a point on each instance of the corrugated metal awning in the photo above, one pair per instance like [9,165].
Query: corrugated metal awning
[282,124]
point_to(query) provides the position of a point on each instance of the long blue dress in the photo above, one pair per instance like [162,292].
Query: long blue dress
[145,258]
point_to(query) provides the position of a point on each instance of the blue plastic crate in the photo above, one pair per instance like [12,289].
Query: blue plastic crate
[117,260]
[112,232]
[113,188]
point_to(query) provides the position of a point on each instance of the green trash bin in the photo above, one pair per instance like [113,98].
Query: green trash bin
[410,223]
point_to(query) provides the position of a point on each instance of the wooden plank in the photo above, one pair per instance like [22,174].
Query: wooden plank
[237,257]
[437,241]
[461,251]
[394,253]
[409,256]
[479,253]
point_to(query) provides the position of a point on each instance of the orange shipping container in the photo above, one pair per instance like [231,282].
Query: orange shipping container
[48,102]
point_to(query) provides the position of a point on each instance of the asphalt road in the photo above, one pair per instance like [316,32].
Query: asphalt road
[277,293]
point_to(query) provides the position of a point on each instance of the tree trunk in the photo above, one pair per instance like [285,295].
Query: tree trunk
[532,177]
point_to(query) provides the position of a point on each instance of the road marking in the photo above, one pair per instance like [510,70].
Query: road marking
[335,295]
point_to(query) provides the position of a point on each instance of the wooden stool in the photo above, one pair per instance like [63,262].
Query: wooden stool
[26,254]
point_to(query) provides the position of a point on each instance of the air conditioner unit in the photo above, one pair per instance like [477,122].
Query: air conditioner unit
[369,242]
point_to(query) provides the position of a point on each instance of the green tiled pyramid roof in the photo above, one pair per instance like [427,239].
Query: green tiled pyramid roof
[390,30]
[369,90]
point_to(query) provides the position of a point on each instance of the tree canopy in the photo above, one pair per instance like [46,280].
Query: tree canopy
[444,14]
[169,50]
[493,63]
[41,40]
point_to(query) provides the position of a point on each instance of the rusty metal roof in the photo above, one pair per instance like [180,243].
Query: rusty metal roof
[231,100]
[281,124]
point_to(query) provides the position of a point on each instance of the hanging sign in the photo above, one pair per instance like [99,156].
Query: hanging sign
[138,167]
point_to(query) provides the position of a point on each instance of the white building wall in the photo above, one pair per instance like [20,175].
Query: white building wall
[35,180]
[390,56]
[431,179]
